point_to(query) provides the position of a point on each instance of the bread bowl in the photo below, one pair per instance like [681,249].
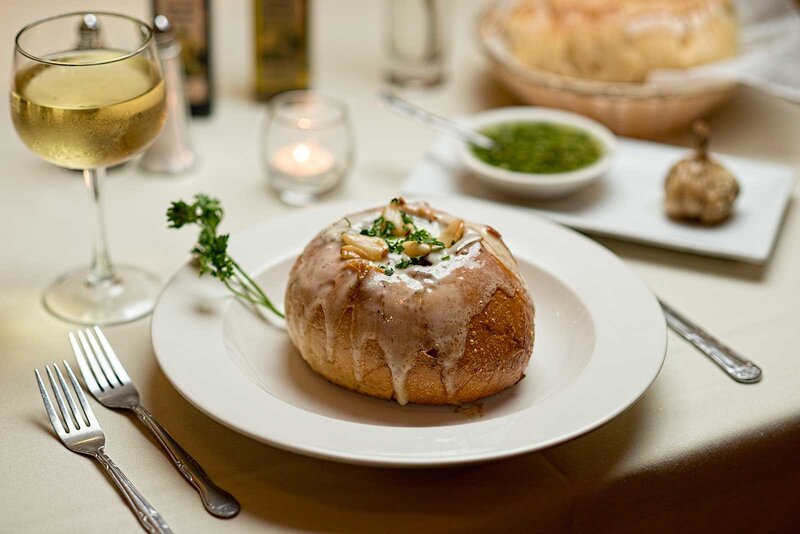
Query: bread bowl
[409,303]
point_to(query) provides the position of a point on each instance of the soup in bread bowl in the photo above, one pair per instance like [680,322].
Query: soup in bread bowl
[409,303]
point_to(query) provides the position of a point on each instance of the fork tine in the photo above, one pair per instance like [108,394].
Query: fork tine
[83,365]
[73,409]
[112,356]
[98,373]
[87,409]
[57,424]
[101,359]
[68,424]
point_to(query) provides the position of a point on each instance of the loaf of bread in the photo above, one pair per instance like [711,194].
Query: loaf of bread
[619,40]
[405,302]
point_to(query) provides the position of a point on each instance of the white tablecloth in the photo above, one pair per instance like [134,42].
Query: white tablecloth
[697,453]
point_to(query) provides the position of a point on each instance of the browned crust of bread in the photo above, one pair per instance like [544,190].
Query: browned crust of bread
[498,346]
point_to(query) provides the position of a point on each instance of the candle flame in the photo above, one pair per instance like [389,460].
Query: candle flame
[301,153]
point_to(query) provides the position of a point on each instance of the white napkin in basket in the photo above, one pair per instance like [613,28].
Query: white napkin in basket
[770,52]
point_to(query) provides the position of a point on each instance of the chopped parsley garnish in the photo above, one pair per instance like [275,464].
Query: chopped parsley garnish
[380,228]
[445,258]
[395,246]
[385,229]
[423,236]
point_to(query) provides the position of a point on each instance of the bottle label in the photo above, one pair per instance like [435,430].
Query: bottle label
[189,22]
[281,46]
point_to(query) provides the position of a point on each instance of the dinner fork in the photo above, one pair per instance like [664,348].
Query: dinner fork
[80,432]
[106,379]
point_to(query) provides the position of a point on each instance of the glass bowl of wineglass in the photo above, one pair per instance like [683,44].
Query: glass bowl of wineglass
[88,104]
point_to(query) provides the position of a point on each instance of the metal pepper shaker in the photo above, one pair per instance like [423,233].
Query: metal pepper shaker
[171,153]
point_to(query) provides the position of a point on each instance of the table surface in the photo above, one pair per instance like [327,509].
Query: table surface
[697,451]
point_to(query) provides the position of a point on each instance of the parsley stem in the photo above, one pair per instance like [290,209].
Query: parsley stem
[253,287]
[238,293]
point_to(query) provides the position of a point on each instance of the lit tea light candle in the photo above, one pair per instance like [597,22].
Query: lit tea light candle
[302,160]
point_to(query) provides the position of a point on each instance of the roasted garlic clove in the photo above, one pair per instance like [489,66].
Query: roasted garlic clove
[420,209]
[349,252]
[698,188]
[412,249]
[452,233]
[363,246]
[391,214]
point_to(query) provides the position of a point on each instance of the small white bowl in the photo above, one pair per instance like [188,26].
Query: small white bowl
[530,184]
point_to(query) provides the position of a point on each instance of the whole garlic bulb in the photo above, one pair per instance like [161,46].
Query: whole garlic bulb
[698,188]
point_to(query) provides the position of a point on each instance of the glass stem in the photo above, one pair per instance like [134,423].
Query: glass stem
[102,269]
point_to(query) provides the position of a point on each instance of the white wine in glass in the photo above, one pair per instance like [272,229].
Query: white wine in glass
[97,119]
[88,109]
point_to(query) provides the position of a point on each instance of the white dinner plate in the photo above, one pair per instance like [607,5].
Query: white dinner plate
[600,342]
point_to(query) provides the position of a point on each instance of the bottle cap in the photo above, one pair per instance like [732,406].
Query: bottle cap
[90,23]
[89,32]
[163,27]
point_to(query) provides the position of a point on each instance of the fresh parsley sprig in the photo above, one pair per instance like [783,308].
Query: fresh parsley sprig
[211,250]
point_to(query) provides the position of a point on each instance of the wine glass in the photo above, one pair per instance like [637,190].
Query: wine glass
[87,104]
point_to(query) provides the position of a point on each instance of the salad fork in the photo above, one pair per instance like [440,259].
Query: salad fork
[106,379]
[80,432]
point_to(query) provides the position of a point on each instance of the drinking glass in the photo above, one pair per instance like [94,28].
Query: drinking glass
[87,105]
[414,42]
[308,145]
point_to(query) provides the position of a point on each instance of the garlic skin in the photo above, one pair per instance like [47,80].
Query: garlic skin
[698,188]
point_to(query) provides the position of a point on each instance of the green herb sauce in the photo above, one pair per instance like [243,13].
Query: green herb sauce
[539,148]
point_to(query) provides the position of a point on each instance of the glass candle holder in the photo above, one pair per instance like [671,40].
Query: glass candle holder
[308,146]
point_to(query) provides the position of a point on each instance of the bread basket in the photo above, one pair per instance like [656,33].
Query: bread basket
[646,110]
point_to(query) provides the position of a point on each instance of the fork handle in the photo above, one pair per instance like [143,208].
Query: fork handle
[216,500]
[148,516]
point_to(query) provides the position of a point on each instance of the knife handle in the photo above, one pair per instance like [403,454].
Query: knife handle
[737,367]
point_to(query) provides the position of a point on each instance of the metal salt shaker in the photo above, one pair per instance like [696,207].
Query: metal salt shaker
[171,153]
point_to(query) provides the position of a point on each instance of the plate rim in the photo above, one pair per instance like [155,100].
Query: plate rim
[411,461]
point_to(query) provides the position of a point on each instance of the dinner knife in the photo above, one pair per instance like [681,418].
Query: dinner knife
[729,360]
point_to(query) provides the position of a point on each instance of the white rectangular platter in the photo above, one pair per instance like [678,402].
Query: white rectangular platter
[627,203]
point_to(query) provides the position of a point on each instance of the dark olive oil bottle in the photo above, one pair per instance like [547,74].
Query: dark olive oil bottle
[282,62]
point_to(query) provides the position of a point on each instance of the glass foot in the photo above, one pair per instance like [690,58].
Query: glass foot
[298,198]
[415,78]
[131,294]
